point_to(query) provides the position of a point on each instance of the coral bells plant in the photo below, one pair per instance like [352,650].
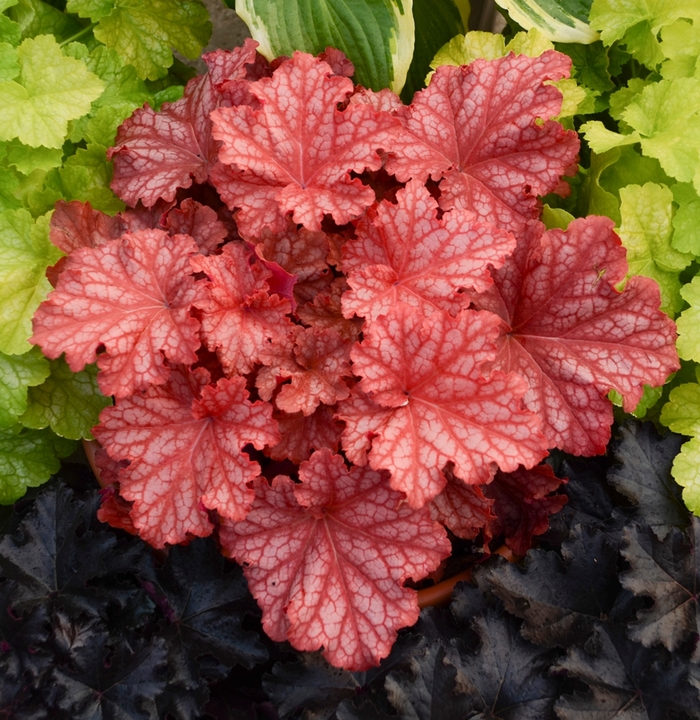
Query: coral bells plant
[334,326]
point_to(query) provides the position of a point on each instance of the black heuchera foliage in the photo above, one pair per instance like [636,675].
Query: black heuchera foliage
[601,620]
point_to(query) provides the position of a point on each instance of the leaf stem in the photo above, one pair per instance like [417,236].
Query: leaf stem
[79,34]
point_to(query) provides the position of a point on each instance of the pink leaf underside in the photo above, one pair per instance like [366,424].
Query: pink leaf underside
[115,511]
[316,365]
[574,336]
[186,453]
[523,504]
[295,153]
[435,405]
[463,508]
[403,253]
[155,153]
[133,296]
[198,221]
[325,311]
[301,253]
[475,126]
[240,318]
[301,434]
[76,224]
[326,559]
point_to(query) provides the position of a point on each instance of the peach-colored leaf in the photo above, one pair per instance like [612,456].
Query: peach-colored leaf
[295,154]
[479,127]
[184,442]
[574,336]
[155,153]
[427,372]
[133,297]
[326,559]
[240,317]
[404,253]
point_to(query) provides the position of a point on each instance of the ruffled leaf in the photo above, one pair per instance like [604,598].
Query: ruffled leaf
[327,559]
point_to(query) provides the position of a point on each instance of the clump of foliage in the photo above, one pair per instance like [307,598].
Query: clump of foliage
[70,73]
[328,319]
[93,625]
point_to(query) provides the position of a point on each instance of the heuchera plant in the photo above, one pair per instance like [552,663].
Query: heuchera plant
[333,325]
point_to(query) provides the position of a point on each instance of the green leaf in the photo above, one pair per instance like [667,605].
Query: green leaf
[559,20]
[556,218]
[463,49]
[595,199]
[377,35]
[688,336]
[601,139]
[9,61]
[68,402]
[28,458]
[686,472]
[25,253]
[27,159]
[682,411]
[143,34]
[686,221]
[10,31]
[38,18]
[680,43]
[650,397]
[631,168]
[591,64]
[636,23]
[646,231]
[9,182]
[86,176]
[17,372]
[436,21]
[52,90]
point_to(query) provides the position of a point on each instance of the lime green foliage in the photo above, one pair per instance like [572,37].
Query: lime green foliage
[51,90]
[681,47]
[686,221]
[68,402]
[646,231]
[377,36]
[28,458]
[144,33]
[17,373]
[636,23]
[689,322]
[665,120]
[86,176]
[25,253]
[559,20]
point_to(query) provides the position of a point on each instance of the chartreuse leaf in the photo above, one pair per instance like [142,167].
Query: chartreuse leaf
[10,31]
[686,221]
[646,229]
[27,159]
[591,64]
[143,34]
[51,90]
[68,402]
[86,176]
[17,372]
[8,185]
[688,336]
[681,46]
[686,471]
[9,60]
[636,23]
[377,36]
[28,458]
[25,253]
[36,17]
